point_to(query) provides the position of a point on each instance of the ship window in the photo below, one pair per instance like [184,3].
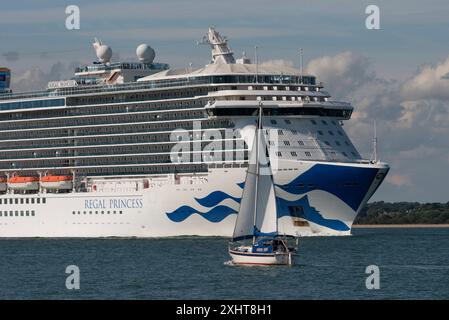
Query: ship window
[121,212]
[10,201]
[339,132]
[16,201]
[308,154]
[27,213]
[21,200]
[44,200]
[327,143]
[0,213]
[320,132]
[38,200]
[280,132]
[11,213]
[279,154]
[313,121]
[331,133]
[296,211]
[301,143]
[21,213]
[334,123]
[353,153]
[293,153]
[324,122]
[295,132]
[273,121]
[32,200]
[32,213]
[1,201]
[16,213]
[27,200]
[287,121]
[337,143]
[287,143]
[345,154]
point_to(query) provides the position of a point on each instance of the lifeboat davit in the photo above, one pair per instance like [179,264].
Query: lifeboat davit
[57,182]
[23,183]
[3,184]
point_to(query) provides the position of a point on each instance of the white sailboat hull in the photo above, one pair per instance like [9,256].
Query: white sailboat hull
[249,258]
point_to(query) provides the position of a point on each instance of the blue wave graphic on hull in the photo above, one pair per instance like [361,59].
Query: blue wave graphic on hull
[215,198]
[309,213]
[334,179]
[215,215]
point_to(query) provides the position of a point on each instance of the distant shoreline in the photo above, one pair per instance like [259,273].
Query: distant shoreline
[400,225]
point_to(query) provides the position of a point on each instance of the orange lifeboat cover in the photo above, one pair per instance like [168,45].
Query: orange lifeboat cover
[51,178]
[19,179]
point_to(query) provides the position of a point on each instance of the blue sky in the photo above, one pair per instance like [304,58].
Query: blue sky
[383,70]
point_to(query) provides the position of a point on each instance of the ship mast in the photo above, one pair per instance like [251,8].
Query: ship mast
[221,53]
[257,136]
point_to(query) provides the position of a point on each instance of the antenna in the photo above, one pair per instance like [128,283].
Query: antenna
[256,60]
[374,155]
[301,64]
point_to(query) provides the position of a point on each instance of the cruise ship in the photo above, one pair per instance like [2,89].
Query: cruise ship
[142,150]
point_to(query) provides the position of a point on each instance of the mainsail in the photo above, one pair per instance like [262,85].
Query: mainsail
[258,214]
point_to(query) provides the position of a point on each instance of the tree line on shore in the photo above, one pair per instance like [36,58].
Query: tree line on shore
[404,213]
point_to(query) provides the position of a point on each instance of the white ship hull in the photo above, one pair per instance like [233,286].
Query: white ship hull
[202,205]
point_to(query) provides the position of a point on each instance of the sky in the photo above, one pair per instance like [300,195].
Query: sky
[397,75]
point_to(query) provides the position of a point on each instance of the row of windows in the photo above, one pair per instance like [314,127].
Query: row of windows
[106,109]
[97,212]
[114,129]
[22,200]
[32,104]
[323,122]
[87,141]
[120,150]
[133,118]
[17,213]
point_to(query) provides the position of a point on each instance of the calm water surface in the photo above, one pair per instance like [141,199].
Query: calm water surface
[414,263]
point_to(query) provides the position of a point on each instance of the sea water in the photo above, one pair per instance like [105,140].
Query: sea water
[413,263]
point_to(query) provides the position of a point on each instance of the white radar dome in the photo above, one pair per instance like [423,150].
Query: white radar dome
[145,53]
[104,53]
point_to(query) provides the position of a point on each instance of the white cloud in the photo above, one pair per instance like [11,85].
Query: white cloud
[430,83]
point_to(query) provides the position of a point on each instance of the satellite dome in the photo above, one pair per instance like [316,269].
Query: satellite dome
[145,53]
[104,53]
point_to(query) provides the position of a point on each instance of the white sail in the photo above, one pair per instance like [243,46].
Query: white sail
[266,216]
[261,218]
[244,226]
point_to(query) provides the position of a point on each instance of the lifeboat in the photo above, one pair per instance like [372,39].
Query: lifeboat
[57,182]
[23,183]
[3,184]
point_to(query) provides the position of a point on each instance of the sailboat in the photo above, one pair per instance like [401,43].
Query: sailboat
[257,218]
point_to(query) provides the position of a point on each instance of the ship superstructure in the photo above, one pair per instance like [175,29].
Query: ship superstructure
[138,149]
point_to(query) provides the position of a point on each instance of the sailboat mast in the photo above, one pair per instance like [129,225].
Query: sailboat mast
[257,136]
